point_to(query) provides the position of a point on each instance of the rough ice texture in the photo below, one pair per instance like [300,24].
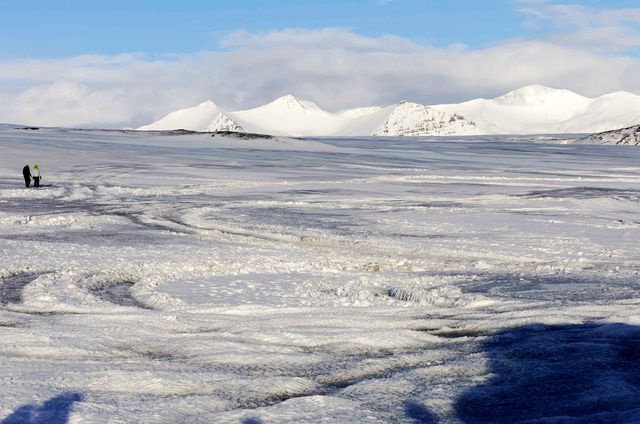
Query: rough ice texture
[188,278]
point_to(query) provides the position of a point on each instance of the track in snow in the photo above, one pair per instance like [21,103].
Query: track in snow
[382,280]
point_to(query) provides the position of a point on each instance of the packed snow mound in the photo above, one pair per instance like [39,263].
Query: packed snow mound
[534,109]
[625,136]
[195,118]
[412,119]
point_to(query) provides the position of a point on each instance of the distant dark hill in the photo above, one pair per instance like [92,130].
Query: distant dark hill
[625,137]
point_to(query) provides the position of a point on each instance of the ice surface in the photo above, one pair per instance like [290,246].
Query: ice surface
[186,278]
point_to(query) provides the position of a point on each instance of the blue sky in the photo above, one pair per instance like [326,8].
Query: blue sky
[44,28]
[124,63]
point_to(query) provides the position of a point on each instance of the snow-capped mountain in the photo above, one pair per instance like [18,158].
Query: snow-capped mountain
[287,115]
[195,118]
[626,136]
[412,119]
[404,119]
[224,123]
[536,109]
[533,109]
[291,116]
[608,112]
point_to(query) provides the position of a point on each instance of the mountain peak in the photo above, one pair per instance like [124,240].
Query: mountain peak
[620,95]
[537,94]
[207,103]
[223,122]
[194,118]
[206,107]
[288,98]
[292,102]
[414,119]
[405,103]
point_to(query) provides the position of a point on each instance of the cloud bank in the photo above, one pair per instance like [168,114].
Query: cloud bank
[604,30]
[334,67]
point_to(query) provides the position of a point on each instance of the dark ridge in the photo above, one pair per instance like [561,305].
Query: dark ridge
[180,131]
[161,356]
[241,135]
[455,333]
[583,193]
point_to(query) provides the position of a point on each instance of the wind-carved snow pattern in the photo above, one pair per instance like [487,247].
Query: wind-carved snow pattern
[625,137]
[180,277]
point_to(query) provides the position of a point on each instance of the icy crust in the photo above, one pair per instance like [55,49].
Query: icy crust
[217,279]
[624,137]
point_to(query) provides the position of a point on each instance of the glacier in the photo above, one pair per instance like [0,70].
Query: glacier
[176,277]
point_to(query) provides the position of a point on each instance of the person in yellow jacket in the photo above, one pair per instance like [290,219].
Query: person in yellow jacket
[36,175]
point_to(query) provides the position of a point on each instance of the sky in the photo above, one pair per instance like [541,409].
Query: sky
[125,63]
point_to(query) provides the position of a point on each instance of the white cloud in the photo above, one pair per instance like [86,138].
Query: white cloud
[334,67]
[600,29]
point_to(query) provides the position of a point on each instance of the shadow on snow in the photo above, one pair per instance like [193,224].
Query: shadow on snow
[585,373]
[54,411]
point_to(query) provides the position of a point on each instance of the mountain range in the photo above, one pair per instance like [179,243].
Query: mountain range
[534,109]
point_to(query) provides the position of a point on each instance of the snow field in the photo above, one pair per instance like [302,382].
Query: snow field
[196,279]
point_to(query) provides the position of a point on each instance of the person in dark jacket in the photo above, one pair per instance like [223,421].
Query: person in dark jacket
[26,173]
